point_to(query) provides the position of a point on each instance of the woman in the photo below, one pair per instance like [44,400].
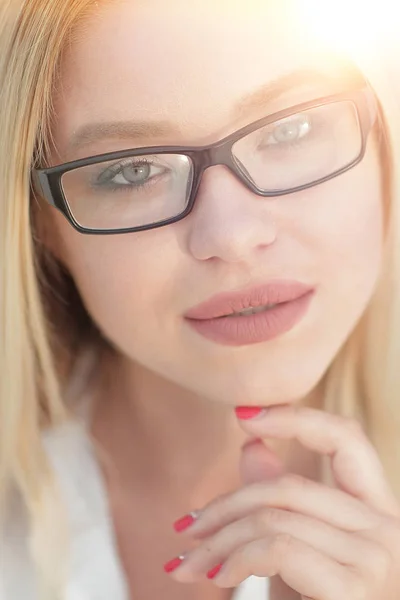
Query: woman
[199,306]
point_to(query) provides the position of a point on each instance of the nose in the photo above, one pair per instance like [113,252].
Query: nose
[228,222]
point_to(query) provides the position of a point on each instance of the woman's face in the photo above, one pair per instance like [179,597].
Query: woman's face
[187,77]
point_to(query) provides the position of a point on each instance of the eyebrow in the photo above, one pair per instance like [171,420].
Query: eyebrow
[91,133]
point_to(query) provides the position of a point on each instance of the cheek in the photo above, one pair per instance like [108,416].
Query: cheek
[351,239]
[124,280]
[345,236]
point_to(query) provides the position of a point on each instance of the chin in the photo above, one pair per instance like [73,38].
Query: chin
[265,390]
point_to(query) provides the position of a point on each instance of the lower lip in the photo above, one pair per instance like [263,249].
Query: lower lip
[254,329]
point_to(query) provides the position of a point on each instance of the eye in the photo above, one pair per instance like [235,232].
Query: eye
[289,130]
[130,173]
[133,173]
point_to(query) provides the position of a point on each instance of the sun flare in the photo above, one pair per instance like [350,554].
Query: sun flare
[354,26]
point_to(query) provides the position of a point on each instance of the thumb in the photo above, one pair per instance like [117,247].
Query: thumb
[259,463]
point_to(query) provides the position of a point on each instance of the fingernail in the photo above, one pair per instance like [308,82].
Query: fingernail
[214,572]
[245,413]
[173,564]
[185,522]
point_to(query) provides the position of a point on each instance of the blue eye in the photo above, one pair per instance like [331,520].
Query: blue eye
[289,130]
[131,173]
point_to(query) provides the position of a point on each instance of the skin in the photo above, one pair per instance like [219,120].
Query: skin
[332,543]
[162,372]
[327,237]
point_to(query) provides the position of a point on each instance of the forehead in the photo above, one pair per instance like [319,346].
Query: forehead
[185,62]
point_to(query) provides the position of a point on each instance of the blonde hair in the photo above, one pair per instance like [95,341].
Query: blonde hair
[363,380]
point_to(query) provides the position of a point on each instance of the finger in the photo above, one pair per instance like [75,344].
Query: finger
[280,590]
[292,493]
[258,463]
[340,546]
[355,463]
[301,567]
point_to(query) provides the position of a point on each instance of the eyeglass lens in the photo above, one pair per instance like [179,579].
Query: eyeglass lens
[148,189]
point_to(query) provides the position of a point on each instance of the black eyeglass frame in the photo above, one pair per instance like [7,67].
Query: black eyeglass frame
[48,181]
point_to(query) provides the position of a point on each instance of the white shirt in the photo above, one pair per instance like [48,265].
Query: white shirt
[96,573]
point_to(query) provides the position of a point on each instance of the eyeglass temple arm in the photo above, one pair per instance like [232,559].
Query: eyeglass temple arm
[41,187]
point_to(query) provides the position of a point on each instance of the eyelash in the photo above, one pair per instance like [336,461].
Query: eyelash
[117,169]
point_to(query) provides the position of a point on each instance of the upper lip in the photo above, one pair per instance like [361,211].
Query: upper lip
[227,303]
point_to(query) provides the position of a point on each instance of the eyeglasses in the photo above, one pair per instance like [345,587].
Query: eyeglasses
[144,188]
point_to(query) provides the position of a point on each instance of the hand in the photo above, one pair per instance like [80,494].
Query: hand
[325,543]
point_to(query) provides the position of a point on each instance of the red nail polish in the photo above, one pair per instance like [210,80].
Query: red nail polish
[185,522]
[245,413]
[214,572]
[173,564]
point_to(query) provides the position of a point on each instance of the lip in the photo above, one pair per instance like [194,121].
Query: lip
[227,303]
[212,319]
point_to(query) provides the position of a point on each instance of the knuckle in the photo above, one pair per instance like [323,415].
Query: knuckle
[218,503]
[282,544]
[382,565]
[389,531]
[258,523]
[216,509]
[357,589]
[353,426]
[269,518]
[293,481]
[376,562]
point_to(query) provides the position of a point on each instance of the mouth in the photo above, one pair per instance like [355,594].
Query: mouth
[250,311]
[252,316]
